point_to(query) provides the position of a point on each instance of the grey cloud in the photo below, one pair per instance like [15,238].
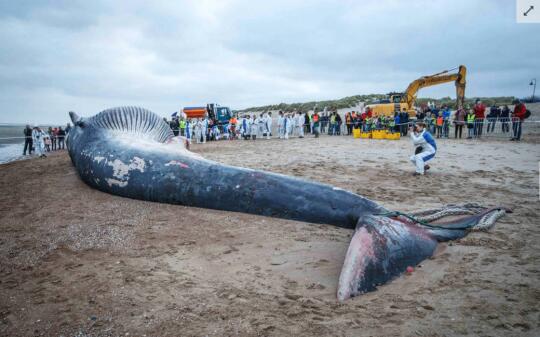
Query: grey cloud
[87,56]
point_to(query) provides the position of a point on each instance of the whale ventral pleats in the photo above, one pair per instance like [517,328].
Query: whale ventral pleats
[134,120]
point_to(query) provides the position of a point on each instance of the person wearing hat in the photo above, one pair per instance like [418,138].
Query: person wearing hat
[425,147]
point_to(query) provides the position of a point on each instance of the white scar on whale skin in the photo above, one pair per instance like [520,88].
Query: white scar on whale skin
[121,170]
[99,159]
[117,182]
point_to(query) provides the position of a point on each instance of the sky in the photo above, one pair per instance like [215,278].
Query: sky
[86,56]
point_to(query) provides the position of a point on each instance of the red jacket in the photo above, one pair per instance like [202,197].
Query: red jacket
[479,110]
[520,110]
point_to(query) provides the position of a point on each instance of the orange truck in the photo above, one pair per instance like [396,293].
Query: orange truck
[195,111]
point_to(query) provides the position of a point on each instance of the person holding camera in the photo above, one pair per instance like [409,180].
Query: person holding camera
[425,147]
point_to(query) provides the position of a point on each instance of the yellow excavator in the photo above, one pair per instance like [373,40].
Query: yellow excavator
[404,101]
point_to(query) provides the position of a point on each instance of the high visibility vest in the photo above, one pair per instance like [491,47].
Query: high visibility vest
[182,124]
[470,118]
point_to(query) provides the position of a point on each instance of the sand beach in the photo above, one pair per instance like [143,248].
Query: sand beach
[75,261]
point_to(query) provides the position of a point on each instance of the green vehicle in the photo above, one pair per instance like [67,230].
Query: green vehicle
[219,114]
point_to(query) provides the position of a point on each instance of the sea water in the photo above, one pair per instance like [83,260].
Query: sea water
[11,142]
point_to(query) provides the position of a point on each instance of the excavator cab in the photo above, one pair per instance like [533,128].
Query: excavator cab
[395,97]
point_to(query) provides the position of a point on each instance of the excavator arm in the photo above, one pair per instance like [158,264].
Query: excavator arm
[443,77]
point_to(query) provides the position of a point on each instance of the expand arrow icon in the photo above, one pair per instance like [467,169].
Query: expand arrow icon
[528,10]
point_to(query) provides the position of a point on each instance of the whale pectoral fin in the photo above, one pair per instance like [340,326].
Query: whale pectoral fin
[381,249]
[77,120]
[74,117]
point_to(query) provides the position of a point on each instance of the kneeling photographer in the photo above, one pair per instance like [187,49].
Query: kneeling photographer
[425,147]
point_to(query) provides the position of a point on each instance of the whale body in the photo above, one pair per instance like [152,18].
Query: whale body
[132,152]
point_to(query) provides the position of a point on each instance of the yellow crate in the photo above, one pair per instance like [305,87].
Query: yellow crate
[378,134]
[365,135]
[393,136]
[356,133]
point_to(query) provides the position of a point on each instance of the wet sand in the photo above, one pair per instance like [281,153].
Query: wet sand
[78,262]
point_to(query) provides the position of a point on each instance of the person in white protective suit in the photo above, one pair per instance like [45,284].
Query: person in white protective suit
[204,129]
[287,126]
[245,127]
[197,130]
[188,131]
[262,129]
[425,148]
[280,122]
[240,126]
[292,122]
[262,125]
[38,140]
[255,127]
[299,124]
[215,133]
[269,125]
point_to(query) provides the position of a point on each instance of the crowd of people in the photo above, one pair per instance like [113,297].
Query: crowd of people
[250,126]
[247,126]
[42,141]
[437,120]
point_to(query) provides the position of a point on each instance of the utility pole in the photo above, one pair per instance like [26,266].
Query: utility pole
[533,83]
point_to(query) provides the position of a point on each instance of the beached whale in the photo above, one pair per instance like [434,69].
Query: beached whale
[132,152]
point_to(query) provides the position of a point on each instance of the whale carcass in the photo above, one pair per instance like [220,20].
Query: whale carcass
[132,152]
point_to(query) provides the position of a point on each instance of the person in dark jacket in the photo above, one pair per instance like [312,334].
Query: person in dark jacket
[338,123]
[505,118]
[324,121]
[492,117]
[459,121]
[28,144]
[61,138]
[420,115]
[404,120]
[175,126]
[307,123]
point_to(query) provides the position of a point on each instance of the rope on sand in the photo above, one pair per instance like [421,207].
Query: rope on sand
[451,209]
[489,220]
[424,217]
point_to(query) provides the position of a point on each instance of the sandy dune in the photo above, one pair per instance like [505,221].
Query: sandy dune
[78,262]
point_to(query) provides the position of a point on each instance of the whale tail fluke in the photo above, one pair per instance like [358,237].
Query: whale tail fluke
[383,247]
